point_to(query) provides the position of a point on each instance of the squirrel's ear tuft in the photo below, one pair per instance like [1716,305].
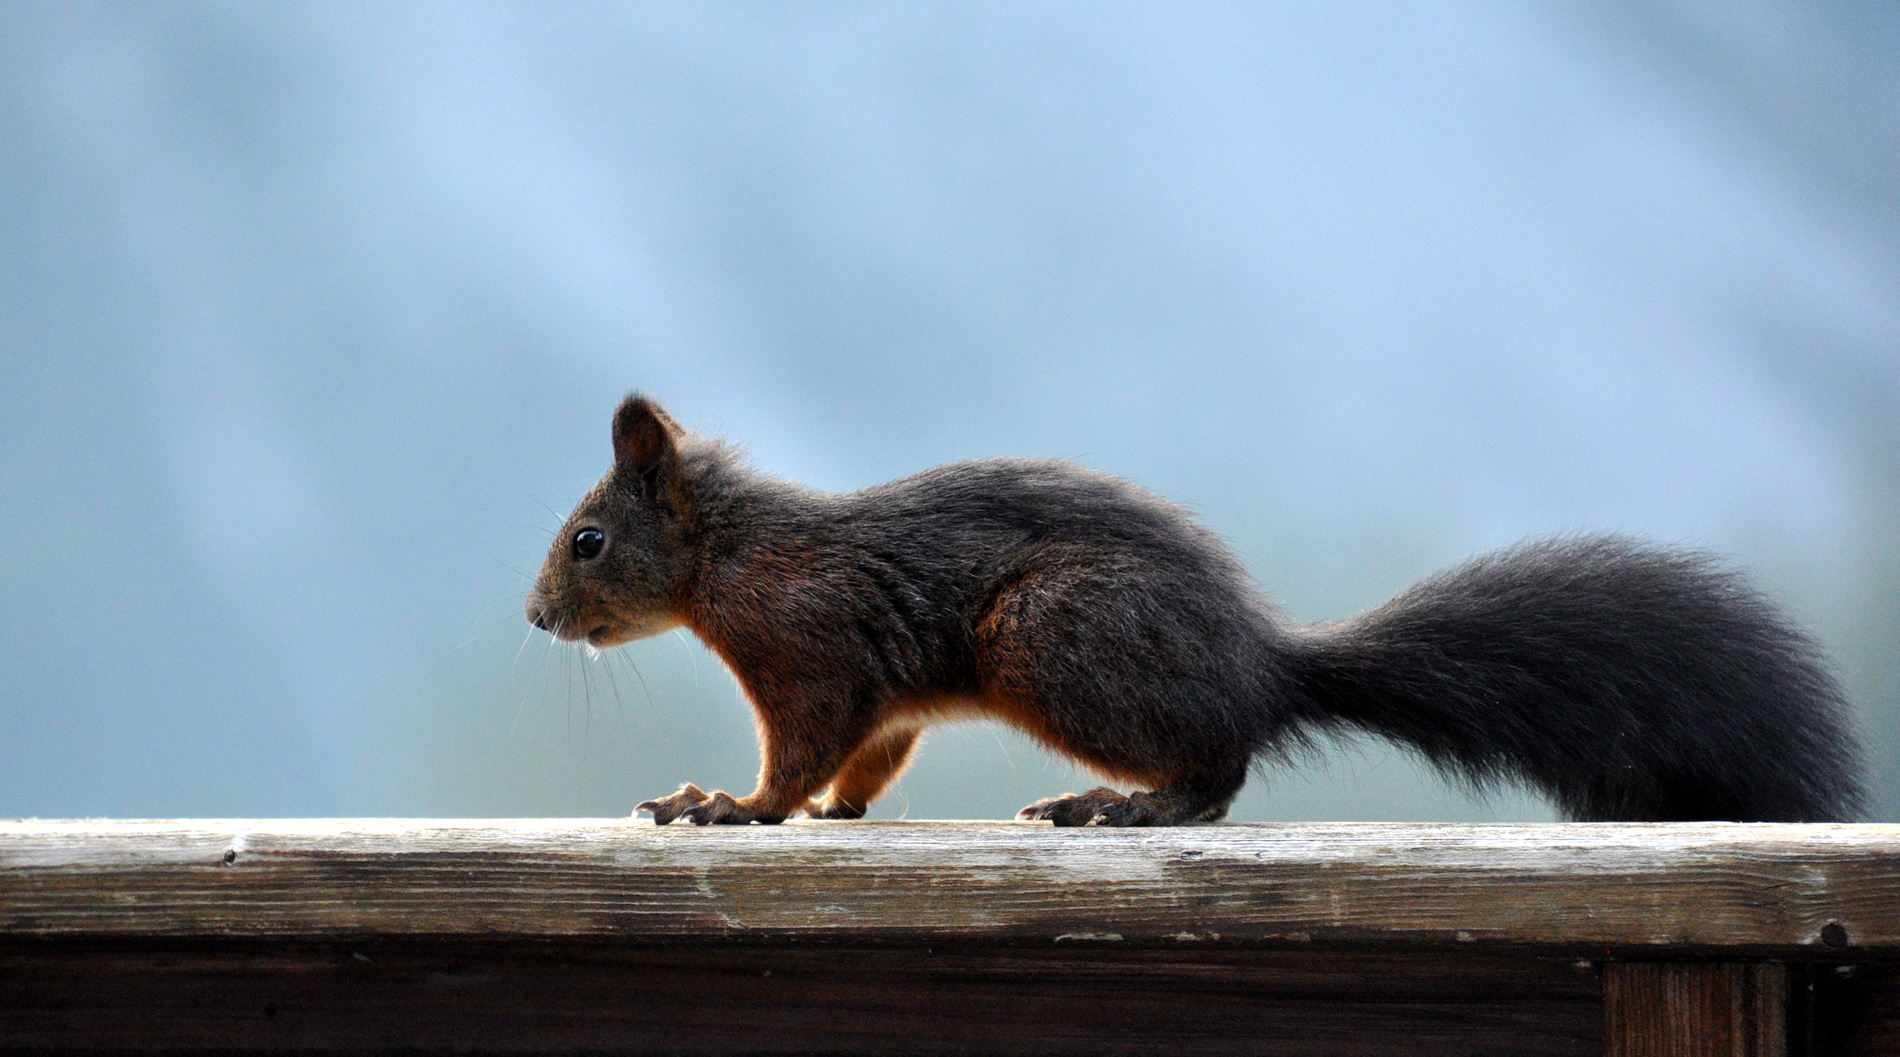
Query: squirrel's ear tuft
[645,437]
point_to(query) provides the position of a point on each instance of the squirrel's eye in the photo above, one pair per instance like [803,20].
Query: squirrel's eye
[587,544]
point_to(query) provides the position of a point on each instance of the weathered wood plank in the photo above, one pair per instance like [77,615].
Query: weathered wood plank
[1829,891]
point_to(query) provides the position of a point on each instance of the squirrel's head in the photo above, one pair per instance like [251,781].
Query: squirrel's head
[610,574]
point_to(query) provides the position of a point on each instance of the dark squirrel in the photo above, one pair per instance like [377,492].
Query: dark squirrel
[1623,680]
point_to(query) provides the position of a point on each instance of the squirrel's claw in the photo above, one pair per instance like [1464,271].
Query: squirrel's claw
[701,808]
[667,808]
[1106,807]
[718,807]
[1100,806]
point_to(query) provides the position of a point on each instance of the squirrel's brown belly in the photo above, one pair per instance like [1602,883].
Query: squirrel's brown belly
[924,710]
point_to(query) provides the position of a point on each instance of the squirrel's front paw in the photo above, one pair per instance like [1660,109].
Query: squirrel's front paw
[702,808]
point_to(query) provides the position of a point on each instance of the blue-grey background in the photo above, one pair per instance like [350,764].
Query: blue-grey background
[312,317]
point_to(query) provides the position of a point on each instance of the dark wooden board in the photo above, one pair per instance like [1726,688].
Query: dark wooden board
[1696,1009]
[1848,1010]
[516,996]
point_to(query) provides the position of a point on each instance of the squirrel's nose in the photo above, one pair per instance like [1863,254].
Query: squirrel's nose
[540,621]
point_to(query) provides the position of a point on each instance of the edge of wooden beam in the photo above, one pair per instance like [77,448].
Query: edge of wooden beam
[1830,891]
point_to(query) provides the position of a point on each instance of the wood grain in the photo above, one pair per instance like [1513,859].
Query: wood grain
[1806,891]
[1696,1009]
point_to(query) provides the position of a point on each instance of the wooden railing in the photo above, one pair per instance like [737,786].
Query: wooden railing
[948,937]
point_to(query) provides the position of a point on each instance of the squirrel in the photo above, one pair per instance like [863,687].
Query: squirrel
[1623,680]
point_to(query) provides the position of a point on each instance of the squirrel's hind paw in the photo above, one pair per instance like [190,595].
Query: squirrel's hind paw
[1100,806]
[1106,807]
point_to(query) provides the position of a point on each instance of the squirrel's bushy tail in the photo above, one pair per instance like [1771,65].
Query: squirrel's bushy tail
[1625,681]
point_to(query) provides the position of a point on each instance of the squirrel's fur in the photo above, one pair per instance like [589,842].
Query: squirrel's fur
[1623,680]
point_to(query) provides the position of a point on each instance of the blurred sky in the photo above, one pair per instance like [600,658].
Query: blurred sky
[312,318]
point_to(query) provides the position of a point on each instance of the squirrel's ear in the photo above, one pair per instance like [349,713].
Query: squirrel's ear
[645,437]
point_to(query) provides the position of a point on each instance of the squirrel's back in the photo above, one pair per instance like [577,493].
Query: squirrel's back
[1623,679]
